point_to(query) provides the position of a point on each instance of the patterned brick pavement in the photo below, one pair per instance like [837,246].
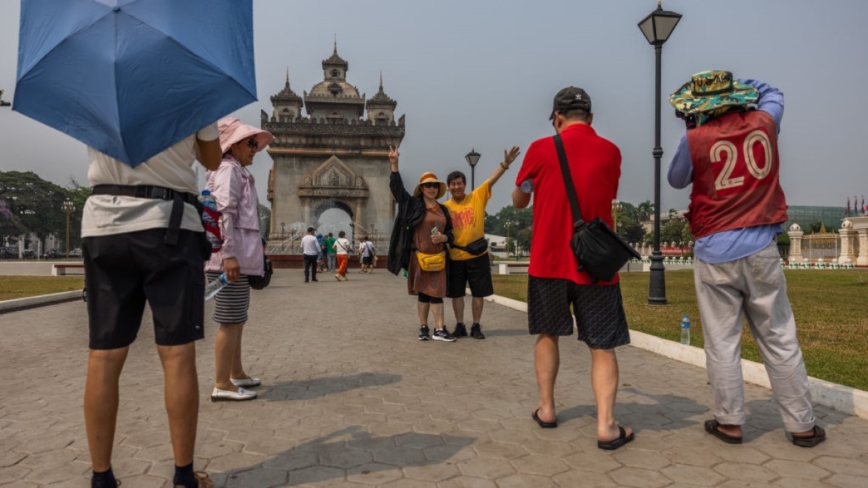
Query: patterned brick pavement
[351,398]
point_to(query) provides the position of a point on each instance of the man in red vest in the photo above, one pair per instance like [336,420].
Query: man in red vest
[737,206]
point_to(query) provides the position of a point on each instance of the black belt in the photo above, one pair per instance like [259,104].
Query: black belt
[159,193]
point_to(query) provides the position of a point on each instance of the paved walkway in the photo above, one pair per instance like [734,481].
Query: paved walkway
[350,398]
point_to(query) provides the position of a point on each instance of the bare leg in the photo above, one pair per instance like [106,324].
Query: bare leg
[182,398]
[604,379]
[546,361]
[476,306]
[237,368]
[458,309]
[101,399]
[224,355]
[437,309]
[422,308]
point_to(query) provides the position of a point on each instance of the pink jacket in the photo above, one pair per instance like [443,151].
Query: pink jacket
[233,188]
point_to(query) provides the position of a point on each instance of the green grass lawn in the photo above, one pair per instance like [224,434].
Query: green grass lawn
[831,309]
[12,287]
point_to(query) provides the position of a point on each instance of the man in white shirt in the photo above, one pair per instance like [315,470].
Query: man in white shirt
[310,248]
[366,253]
[143,241]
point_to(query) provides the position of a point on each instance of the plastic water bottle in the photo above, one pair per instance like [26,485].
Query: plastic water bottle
[685,330]
[209,201]
[215,286]
[434,231]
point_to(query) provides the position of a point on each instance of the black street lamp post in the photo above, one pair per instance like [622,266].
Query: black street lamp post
[472,158]
[657,27]
[67,208]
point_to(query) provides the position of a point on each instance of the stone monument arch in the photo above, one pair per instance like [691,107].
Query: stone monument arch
[333,157]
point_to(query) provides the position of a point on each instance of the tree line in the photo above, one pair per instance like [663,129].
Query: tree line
[29,204]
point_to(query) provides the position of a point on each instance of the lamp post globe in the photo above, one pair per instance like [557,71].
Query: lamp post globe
[657,27]
[472,158]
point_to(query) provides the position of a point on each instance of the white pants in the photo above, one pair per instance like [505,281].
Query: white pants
[756,286]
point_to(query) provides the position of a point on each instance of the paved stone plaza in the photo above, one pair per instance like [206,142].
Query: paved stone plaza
[350,398]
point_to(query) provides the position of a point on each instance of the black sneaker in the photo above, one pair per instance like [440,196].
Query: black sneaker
[460,330]
[443,335]
[424,335]
[476,331]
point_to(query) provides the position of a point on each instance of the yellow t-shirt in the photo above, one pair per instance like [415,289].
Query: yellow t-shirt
[468,219]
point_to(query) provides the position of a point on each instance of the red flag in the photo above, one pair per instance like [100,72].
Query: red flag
[864,208]
[847,213]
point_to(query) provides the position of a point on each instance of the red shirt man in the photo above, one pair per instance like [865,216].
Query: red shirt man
[555,286]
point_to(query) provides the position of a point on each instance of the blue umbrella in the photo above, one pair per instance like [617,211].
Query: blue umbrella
[131,78]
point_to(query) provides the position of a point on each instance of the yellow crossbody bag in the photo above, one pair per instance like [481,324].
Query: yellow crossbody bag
[431,262]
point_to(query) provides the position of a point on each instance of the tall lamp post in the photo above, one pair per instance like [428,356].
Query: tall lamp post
[67,208]
[508,224]
[472,158]
[657,27]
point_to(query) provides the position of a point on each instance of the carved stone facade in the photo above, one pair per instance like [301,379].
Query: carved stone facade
[332,158]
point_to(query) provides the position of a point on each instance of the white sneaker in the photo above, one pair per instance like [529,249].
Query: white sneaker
[248,382]
[241,395]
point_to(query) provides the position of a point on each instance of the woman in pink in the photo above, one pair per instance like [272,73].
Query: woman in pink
[241,255]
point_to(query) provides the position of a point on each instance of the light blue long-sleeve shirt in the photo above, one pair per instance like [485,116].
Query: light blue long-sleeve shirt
[733,244]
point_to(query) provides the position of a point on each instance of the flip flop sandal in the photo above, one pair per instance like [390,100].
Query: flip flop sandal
[713,428]
[613,444]
[818,437]
[542,423]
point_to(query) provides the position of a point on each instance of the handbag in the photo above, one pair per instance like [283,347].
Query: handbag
[260,282]
[476,247]
[599,251]
[431,262]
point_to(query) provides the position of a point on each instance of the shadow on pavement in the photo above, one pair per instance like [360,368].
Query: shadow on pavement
[665,412]
[352,453]
[318,387]
[504,332]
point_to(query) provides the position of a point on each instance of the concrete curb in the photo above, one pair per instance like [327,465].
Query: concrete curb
[842,398]
[38,301]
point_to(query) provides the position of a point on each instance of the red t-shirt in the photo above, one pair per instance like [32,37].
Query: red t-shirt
[595,165]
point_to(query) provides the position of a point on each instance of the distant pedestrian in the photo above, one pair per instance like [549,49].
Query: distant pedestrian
[467,211]
[310,250]
[555,284]
[343,248]
[366,255]
[421,231]
[331,259]
[736,211]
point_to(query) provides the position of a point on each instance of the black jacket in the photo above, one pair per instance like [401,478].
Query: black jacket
[411,211]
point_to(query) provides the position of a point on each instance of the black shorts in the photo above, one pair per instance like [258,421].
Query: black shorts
[476,271]
[599,311]
[368,260]
[122,271]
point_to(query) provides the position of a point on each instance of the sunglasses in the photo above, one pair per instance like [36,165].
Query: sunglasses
[252,143]
[430,185]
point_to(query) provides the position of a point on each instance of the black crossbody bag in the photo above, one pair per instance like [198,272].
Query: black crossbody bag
[598,249]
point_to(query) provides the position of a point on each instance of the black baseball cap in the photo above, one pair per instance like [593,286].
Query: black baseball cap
[571,98]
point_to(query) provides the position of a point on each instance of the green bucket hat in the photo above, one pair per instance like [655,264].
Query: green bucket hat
[711,90]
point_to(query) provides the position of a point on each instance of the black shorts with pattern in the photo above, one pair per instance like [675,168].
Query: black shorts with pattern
[599,310]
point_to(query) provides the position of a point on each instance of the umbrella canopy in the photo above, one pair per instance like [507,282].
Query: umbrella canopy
[131,78]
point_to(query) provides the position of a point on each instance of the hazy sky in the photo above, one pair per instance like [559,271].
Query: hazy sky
[482,73]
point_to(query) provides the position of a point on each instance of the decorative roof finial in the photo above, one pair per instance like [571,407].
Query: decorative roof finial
[381,80]
[660,4]
[287,76]
[336,43]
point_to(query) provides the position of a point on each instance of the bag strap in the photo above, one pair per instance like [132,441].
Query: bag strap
[568,181]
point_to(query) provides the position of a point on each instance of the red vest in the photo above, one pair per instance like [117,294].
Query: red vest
[735,174]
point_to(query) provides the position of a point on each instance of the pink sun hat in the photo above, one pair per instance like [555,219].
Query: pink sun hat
[233,130]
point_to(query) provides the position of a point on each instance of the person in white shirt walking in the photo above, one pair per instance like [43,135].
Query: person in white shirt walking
[366,255]
[310,248]
[343,248]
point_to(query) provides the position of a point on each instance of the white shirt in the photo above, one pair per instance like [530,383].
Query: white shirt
[342,245]
[366,249]
[309,245]
[172,168]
